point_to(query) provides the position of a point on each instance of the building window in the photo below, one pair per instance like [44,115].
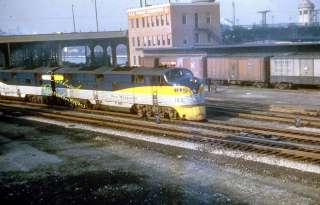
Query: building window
[137,23]
[143,22]
[134,60]
[158,41]
[138,41]
[163,41]
[162,20]
[167,19]
[196,38]
[168,40]
[145,41]
[209,38]
[184,19]
[132,23]
[305,12]
[133,42]
[148,21]
[152,21]
[149,41]
[196,20]
[300,12]
[154,40]
[208,18]
[185,41]
[157,20]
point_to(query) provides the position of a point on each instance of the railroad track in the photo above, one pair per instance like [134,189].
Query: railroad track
[253,114]
[262,131]
[246,139]
[284,109]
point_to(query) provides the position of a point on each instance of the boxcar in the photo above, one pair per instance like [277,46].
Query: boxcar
[193,63]
[290,70]
[239,69]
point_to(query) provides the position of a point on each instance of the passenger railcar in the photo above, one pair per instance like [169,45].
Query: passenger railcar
[172,93]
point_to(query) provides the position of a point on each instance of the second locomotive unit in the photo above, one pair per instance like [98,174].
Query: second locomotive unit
[171,93]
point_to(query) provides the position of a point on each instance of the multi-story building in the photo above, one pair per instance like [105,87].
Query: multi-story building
[172,25]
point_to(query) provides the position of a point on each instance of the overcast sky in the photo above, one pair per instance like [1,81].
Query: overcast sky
[45,16]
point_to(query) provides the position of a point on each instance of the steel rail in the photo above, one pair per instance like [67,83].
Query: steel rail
[213,137]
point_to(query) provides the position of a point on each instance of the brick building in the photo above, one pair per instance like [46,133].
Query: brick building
[173,25]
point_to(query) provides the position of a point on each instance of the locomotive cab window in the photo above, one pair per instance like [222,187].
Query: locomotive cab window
[99,77]
[28,82]
[138,79]
[13,75]
[155,80]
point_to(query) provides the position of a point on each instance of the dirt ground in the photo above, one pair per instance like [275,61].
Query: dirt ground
[47,164]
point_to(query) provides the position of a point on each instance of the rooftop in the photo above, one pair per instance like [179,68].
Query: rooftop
[199,2]
[62,36]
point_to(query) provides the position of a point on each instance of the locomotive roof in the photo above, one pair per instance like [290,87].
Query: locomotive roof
[28,70]
[119,70]
[95,71]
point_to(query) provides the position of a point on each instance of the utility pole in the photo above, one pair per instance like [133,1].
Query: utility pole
[264,16]
[317,16]
[74,22]
[234,13]
[96,10]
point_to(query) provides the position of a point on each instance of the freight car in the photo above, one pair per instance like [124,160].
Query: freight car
[194,63]
[243,70]
[295,70]
[172,93]
[261,70]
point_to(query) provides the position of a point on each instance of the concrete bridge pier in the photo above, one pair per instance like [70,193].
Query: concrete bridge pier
[114,55]
[7,56]
[59,55]
[106,56]
[92,55]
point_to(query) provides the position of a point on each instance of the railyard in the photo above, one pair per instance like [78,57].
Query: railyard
[284,143]
[182,106]
[248,151]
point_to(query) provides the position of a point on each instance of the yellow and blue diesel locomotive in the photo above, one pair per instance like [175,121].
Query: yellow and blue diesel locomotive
[171,93]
